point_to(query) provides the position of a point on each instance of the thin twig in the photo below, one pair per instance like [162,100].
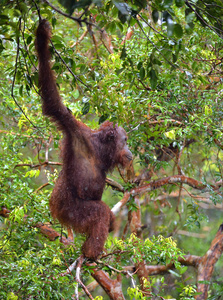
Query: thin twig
[38,9]
[45,163]
[213,28]
[132,279]
[41,187]
[14,77]
[154,45]
[68,68]
[78,270]
[79,20]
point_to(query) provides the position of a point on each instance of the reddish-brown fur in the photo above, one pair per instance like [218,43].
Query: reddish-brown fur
[87,156]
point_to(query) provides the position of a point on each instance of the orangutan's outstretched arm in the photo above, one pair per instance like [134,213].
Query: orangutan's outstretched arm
[52,104]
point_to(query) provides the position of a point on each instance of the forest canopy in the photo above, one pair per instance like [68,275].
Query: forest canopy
[154,68]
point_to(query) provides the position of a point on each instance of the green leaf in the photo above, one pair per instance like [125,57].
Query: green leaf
[178,30]
[174,273]
[85,108]
[21,90]
[153,78]
[54,21]
[70,5]
[189,27]
[155,15]
[1,46]
[169,22]
[123,7]
[142,73]
[140,3]
[123,53]
[119,71]
[112,27]
[189,16]
[183,269]
[167,4]
[122,18]
[4,19]
[29,39]
[103,118]
[179,3]
[170,29]
[124,11]
[76,94]
[174,57]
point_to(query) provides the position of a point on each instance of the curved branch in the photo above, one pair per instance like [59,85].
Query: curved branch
[113,288]
[114,185]
[78,20]
[190,4]
[186,260]
[52,234]
[159,183]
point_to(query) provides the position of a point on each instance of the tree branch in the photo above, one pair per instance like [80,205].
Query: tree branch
[159,183]
[208,261]
[113,288]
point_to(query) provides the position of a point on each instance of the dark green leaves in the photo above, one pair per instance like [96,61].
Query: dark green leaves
[155,15]
[142,73]
[3,19]
[167,4]
[103,118]
[179,3]
[71,5]
[86,108]
[178,30]
[124,11]
[140,3]
[153,78]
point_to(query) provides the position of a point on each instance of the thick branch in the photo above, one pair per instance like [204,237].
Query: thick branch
[186,260]
[208,261]
[114,185]
[52,234]
[113,288]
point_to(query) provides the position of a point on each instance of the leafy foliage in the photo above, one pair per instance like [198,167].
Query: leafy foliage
[153,67]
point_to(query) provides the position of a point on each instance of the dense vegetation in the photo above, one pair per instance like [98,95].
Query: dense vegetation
[155,68]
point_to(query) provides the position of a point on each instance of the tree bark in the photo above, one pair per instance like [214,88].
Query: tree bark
[208,261]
